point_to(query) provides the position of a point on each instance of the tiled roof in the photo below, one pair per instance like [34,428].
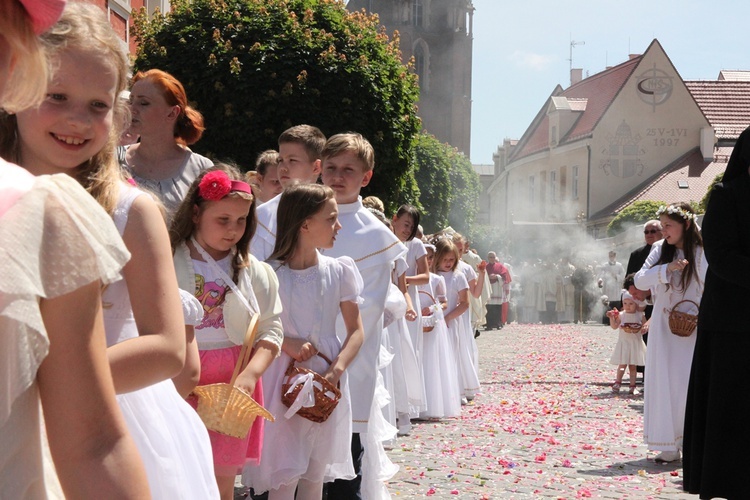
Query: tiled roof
[591,96]
[737,75]
[726,104]
[691,169]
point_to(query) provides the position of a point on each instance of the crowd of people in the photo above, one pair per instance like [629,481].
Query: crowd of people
[192,254]
[134,269]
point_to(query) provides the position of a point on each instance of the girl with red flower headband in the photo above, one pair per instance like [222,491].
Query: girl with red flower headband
[210,234]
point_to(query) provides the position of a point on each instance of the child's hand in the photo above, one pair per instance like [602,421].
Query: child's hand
[482,265]
[677,265]
[411,315]
[299,349]
[246,381]
[331,376]
[426,311]
[613,314]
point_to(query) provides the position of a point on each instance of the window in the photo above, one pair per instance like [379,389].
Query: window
[563,182]
[574,183]
[419,65]
[531,190]
[553,186]
[416,12]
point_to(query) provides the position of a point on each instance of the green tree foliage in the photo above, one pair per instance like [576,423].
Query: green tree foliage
[432,172]
[449,188]
[257,67]
[637,213]
[704,201]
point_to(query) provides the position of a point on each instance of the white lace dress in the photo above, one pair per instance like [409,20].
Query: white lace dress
[171,438]
[296,448]
[55,239]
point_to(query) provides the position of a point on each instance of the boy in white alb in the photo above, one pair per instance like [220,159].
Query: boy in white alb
[299,161]
[348,162]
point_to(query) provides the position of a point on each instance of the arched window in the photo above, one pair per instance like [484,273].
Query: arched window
[421,53]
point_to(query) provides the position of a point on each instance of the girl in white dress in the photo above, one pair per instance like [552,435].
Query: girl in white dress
[299,454]
[72,132]
[675,270]
[408,387]
[405,225]
[457,314]
[210,236]
[630,350]
[441,379]
[60,301]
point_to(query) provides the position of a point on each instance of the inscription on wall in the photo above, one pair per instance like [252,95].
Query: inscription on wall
[665,137]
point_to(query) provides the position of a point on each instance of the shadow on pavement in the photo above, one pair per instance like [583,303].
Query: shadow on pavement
[640,467]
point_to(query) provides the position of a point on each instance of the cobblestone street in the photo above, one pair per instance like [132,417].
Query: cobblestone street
[546,426]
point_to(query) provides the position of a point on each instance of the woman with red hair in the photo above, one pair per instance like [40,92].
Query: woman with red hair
[162,161]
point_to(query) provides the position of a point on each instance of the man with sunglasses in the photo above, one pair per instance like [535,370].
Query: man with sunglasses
[652,234]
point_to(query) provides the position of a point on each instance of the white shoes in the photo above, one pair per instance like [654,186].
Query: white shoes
[667,456]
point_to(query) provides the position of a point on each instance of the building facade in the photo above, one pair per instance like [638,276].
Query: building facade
[437,34]
[603,142]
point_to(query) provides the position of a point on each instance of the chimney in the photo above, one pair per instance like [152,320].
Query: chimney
[633,56]
[576,75]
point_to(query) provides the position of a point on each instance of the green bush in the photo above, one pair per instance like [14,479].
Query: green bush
[257,67]
[637,213]
[704,201]
[448,185]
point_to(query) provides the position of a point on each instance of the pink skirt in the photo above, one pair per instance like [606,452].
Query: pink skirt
[230,454]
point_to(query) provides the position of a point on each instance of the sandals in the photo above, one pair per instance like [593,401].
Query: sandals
[616,388]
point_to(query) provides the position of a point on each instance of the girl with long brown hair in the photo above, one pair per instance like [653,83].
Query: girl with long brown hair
[674,271]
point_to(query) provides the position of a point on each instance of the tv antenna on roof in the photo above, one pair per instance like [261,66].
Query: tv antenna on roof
[573,43]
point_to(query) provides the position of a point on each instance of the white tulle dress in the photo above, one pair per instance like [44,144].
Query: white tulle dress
[296,448]
[442,385]
[55,239]
[169,435]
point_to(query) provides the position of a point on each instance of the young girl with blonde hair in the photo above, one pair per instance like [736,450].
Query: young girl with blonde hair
[75,131]
[300,455]
[59,247]
[456,313]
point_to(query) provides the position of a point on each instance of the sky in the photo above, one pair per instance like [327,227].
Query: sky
[522,47]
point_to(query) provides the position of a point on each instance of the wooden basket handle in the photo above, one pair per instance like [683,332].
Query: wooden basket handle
[247,348]
[429,295]
[686,300]
[320,354]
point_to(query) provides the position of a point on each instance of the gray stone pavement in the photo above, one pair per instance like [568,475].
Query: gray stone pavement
[546,425]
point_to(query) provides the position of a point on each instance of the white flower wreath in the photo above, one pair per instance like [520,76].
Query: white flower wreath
[675,210]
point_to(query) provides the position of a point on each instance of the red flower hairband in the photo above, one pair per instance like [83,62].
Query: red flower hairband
[216,185]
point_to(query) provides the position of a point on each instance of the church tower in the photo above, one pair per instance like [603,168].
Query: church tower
[438,34]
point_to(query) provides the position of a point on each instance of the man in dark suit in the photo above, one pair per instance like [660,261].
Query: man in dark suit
[652,234]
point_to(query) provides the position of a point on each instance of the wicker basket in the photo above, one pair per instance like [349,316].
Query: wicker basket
[681,323]
[227,409]
[324,405]
[631,327]
[428,321]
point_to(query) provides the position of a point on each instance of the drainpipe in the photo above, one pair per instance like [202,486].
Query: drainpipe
[588,183]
